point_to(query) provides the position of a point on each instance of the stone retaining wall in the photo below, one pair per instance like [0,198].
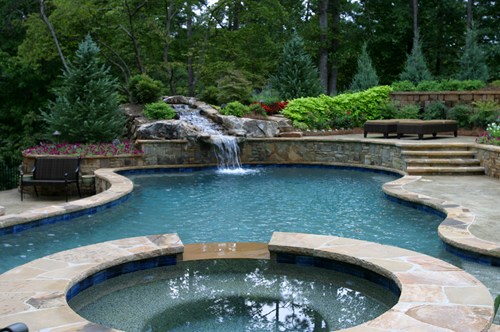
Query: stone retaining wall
[450,98]
[490,159]
[278,151]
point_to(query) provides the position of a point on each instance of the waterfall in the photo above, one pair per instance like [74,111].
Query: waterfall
[226,147]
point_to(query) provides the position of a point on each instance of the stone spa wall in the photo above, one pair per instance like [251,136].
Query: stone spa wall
[450,98]
[278,151]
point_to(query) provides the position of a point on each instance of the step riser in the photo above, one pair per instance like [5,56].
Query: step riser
[433,154]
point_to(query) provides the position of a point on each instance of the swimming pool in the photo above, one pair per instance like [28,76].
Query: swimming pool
[205,206]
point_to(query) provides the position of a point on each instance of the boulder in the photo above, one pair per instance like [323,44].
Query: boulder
[168,129]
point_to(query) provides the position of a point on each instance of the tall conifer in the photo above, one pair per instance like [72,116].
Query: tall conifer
[366,76]
[472,62]
[86,108]
[416,67]
[297,76]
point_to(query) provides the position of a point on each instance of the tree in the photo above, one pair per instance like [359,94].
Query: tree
[366,77]
[472,62]
[86,108]
[297,76]
[415,67]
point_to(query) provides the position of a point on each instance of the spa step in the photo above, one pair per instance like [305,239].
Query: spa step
[435,147]
[476,170]
[445,162]
[439,154]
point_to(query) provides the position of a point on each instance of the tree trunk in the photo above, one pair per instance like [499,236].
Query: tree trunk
[334,64]
[190,60]
[169,15]
[469,14]
[415,17]
[53,33]
[323,48]
[131,34]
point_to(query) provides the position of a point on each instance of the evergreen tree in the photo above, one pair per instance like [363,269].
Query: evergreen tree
[473,63]
[297,75]
[415,67]
[86,108]
[366,77]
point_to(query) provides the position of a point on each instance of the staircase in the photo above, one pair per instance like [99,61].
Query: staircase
[441,159]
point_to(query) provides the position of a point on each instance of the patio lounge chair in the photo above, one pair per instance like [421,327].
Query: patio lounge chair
[422,127]
[385,127]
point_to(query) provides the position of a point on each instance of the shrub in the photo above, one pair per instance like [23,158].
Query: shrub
[366,76]
[159,111]
[321,112]
[408,112]
[403,86]
[415,69]
[256,108]
[461,114]
[143,89]
[266,96]
[388,111]
[233,85]
[457,85]
[485,112]
[436,110]
[235,108]
[428,86]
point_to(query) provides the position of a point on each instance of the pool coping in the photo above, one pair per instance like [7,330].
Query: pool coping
[435,295]
[454,230]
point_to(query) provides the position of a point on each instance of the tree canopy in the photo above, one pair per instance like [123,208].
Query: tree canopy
[193,47]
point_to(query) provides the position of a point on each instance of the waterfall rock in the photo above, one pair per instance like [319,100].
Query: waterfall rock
[168,129]
[250,127]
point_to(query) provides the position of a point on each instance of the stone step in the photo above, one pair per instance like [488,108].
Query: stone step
[442,162]
[438,154]
[290,134]
[473,170]
[287,129]
[436,147]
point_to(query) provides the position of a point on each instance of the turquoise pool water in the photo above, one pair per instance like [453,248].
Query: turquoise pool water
[205,206]
[233,295]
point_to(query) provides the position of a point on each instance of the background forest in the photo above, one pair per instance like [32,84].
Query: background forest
[196,48]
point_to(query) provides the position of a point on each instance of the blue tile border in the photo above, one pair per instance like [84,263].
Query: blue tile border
[418,206]
[342,267]
[118,270]
[61,218]
[473,256]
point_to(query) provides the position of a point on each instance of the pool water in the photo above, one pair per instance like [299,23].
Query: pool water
[205,206]
[233,295]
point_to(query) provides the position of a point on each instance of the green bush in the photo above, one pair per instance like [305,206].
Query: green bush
[235,108]
[462,114]
[233,85]
[321,112]
[485,112]
[408,112]
[429,86]
[403,86]
[256,108]
[434,111]
[159,111]
[143,89]
[388,111]
[266,96]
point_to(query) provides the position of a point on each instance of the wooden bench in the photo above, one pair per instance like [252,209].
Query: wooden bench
[53,171]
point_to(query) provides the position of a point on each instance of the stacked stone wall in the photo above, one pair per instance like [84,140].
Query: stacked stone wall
[490,160]
[450,98]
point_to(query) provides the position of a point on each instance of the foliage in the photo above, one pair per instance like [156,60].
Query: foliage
[491,136]
[273,108]
[235,108]
[388,110]
[408,112]
[485,112]
[435,111]
[143,89]
[233,85]
[325,112]
[266,96]
[84,150]
[472,62]
[366,76]
[415,69]
[403,86]
[256,109]
[442,85]
[297,76]
[159,111]
[86,107]
[462,114]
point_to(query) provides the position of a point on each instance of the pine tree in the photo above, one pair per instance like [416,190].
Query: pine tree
[473,63]
[416,68]
[366,77]
[297,75]
[86,108]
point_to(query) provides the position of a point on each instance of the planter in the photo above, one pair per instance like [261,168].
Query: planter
[88,180]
